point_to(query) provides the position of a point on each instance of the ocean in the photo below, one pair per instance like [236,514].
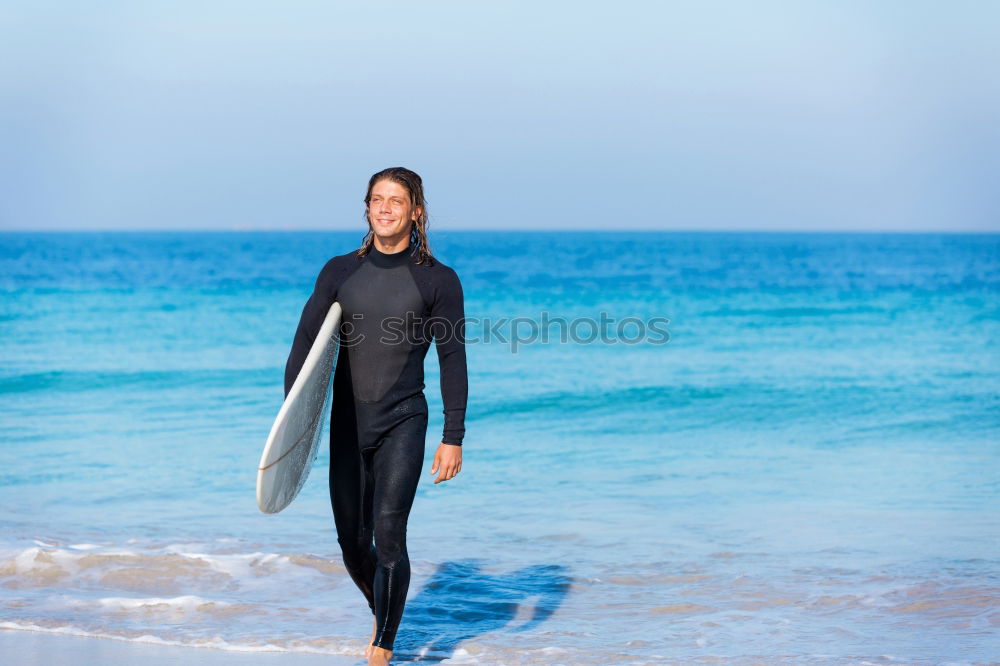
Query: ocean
[690,448]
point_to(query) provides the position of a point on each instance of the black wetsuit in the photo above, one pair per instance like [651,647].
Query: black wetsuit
[392,307]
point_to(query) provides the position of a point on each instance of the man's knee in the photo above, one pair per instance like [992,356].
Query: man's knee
[390,541]
[355,551]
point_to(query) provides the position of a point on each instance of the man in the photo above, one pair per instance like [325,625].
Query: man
[395,297]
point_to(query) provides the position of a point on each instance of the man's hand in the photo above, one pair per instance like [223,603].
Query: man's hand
[447,459]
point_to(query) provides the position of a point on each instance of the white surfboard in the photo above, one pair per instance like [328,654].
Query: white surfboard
[293,443]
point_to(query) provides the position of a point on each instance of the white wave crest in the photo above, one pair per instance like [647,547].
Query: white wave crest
[188,603]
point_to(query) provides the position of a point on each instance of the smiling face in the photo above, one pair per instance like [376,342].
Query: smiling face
[391,212]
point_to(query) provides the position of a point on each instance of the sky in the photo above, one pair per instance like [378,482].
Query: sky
[717,116]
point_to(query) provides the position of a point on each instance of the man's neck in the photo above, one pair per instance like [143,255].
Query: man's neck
[392,246]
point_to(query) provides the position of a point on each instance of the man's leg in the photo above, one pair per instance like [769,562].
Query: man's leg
[351,511]
[396,468]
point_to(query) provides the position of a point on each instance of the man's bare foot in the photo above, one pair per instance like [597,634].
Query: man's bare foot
[379,657]
[368,648]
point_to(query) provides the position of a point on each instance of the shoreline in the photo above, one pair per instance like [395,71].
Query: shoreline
[25,647]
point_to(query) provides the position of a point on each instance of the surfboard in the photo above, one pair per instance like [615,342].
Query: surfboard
[293,442]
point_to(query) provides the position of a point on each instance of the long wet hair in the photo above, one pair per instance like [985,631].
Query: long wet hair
[418,232]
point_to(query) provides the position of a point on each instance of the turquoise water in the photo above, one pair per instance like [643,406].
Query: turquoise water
[806,472]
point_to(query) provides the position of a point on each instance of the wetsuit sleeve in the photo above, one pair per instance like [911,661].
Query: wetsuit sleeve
[310,322]
[448,314]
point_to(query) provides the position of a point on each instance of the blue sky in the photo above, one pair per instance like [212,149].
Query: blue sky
[519,115]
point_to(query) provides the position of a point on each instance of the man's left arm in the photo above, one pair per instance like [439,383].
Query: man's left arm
[448,328]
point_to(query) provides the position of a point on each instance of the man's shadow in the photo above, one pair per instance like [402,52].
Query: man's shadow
[460,602]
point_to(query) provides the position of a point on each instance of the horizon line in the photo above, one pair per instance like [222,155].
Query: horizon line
[192,230]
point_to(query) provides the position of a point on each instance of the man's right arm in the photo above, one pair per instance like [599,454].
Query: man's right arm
[324,293]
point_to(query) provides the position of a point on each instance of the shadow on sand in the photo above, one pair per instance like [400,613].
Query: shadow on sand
[460,602]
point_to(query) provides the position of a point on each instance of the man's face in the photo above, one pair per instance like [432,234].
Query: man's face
[390,211]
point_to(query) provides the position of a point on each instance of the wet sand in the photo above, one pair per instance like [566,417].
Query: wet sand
[27,648]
